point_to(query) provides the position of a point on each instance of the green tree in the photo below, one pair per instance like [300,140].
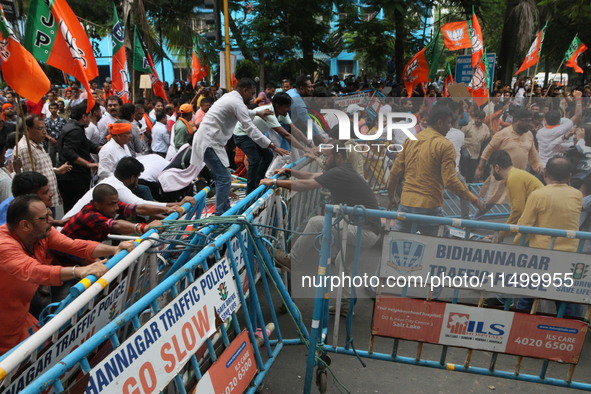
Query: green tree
[371,40]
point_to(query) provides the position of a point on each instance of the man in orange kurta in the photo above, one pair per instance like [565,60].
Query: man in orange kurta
[26,263]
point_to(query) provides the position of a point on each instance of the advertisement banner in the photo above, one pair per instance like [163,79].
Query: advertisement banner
[499,268]
[233,371]
[493,330]
[149,359]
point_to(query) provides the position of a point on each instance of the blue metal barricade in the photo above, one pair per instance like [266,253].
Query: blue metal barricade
[80,317]
[407,256]
[180,330]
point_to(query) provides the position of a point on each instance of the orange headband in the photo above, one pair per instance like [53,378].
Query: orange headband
[119,128]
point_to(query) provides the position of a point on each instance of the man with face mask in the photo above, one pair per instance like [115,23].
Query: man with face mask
[518,183]
[518,141]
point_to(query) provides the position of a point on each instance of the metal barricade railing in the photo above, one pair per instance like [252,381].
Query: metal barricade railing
[180,330]
[452,205]
[89,306]
[451,324]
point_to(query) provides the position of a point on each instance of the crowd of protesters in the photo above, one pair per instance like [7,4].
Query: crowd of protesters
[120,167]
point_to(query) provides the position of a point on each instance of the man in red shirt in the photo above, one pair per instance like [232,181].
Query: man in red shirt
[25,263]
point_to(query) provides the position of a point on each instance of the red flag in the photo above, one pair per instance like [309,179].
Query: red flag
[456,35]
[479,84]
[533,54]
[143,62]
[449,80]
[198,71]
[416,71]
[119,73]
[234,81]
[19,68]
[570,58]
[476,40]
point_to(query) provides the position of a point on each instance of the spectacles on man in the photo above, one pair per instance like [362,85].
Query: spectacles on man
[41,128]
[46,218]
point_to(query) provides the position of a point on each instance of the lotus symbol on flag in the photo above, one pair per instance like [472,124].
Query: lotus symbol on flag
[455,35]
[532,50]
[125,81]
[408,76]
[476,41]
[77,53]
[478,79]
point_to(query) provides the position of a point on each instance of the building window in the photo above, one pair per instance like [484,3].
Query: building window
[346,67]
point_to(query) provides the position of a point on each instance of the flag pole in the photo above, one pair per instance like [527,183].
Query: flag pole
[532,83]
[227,46]
[557,71]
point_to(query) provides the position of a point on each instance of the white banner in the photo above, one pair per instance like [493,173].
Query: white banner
[501,268]
[105,311]
[149,359]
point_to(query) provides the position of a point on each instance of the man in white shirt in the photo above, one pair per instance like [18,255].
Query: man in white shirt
[111,116]
[160,135]
[114,150]
[260,158]
[552,138]
[158,107]
[217,128]
[50,100]
[126,177]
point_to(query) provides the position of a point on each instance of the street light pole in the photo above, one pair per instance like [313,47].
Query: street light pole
[227,45]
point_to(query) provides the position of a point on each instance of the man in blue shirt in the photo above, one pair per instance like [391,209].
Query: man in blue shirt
[27,182]
[299,111]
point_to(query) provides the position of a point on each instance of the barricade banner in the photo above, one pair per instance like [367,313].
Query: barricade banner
[500,268]
[508,332]
[151,357]
[102,313]
[233,371]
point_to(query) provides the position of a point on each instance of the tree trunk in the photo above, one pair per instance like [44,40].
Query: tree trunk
[308,57]
[508,43]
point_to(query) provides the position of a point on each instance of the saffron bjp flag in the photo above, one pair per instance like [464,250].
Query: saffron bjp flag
[54,36]
[456,35]
[478,86]
[19,68]
[449,80]
[476,40]
[533,54]
[570,57]
[416,71]
[142,61]
[423,65]
[119,72]
[198,70]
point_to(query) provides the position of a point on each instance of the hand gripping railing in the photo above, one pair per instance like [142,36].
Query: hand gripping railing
[150,301]
[80,296]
